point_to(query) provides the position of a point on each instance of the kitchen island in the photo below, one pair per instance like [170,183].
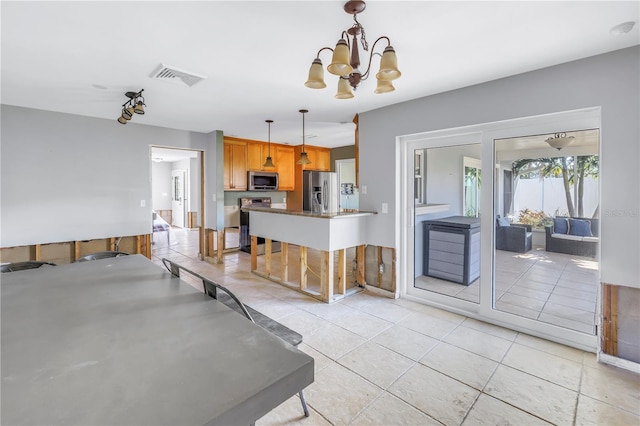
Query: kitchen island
[327,232]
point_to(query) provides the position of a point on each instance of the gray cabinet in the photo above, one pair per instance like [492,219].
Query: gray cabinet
[452,249]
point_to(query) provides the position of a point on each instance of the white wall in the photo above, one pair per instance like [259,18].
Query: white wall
[67,177]
[161,185]
[610,81]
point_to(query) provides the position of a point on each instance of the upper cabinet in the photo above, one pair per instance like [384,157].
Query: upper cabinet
[320,158]
[242,155]
[285,166]
[235,165]
[257,154]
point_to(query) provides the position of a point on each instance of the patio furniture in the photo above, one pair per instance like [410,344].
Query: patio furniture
[578,236]
[452,249]
[515,237]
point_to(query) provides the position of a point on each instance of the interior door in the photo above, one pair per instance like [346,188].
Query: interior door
[178,197]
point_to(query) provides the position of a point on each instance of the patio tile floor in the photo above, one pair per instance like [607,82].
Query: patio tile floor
[550,287]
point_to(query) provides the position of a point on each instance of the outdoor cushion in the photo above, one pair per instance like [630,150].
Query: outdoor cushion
[503,221]
[581,228]
[592,239]
[568,237]
[560,225]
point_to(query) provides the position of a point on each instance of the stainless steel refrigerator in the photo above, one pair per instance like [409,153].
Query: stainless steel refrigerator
[320,191]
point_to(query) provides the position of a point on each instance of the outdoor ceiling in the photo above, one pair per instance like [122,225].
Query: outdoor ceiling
[80,57]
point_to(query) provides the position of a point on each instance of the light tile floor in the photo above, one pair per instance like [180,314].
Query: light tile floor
[380,361]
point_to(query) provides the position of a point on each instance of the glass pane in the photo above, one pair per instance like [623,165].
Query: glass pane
[447,239]
[545,270]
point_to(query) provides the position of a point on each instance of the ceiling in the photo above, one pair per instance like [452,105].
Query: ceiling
[81,57]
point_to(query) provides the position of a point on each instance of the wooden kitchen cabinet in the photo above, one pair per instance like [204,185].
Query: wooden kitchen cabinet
[257,154]
[235,165]
[285,166]
[320,158]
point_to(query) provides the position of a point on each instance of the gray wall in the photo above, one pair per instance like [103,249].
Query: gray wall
[610,81]
[161,184]
[67,177]
[342,153]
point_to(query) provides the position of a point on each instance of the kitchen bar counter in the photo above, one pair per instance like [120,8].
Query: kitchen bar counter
[328,233]
[334,215]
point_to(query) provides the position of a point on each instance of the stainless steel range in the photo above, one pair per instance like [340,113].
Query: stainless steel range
[245,235]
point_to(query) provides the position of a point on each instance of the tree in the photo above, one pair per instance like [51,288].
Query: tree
[585,166]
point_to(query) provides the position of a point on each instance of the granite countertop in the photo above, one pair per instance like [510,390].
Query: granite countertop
[333,215]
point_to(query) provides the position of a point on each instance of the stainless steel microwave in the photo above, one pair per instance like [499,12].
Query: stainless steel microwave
[262,181]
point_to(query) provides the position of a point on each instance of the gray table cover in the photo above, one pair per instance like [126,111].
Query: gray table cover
[122,342]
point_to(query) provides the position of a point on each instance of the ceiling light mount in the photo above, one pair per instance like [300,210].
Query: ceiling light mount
[559,140]
[345,61]
[135,105]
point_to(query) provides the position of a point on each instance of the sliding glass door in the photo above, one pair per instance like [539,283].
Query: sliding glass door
[480,209]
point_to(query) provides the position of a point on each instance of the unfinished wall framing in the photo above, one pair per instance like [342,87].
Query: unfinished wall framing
[380,267]
[68,251]
[621,322]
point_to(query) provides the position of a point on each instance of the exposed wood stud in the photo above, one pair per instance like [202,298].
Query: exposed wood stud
[342,271]
[326,275]
[76,254]
[610,319]
[254,253]
[267,256]
[360,259]
[38,252]
[112,244]
[284,261]
[303,268]
[220,257]
[138,244]
[380,274]
[201,232]
[393,270]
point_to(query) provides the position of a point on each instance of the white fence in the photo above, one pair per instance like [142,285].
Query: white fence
[548,195]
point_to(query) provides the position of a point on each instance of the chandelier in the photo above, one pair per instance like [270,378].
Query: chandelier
[345,62]
[135,105]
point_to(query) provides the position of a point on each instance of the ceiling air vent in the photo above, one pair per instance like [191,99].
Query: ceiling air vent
[168,73]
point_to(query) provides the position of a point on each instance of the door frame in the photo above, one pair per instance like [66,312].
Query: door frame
[201,195]
[587,118]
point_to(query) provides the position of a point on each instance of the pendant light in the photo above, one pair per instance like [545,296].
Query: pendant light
[304,159]
[269,162]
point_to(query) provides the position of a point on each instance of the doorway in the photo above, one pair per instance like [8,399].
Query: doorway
[177,177]
[349,196]
[179,188]
[442,194]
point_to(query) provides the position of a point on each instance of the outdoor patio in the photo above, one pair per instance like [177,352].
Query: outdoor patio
[556,288]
